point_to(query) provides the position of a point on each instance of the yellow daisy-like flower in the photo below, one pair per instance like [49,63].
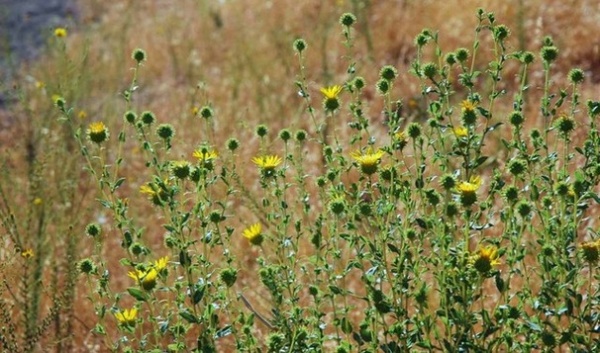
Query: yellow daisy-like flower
[126,317]
[38,201]
[267,164]
[82,115]
[369,160]
[254,234]
[468,190]
[591,251]
[161,263]
[206,155]
[331,92]
[60,32]
[485,259]
[97,132]
[460,131]
[472,185]
[146,279]
[27,253]
[147,189]
[468,106]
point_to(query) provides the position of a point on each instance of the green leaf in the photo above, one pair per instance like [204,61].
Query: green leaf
[137,294]
[118,183]
[189,317]
[225,331]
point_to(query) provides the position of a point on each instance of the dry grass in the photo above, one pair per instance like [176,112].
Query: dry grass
[237,56]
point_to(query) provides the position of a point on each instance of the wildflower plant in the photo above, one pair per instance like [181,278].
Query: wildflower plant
[470,231]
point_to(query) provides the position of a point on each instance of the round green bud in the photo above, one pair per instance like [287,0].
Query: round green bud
[576,76]
[170,242]
[388,72]
[180,169]
[528,57]
[501,32]
[87,266]
[138,55]
[511,194]
[547,201]
[562,188]
[410,234]
[337,206]
[262,130]
[331,175]
[195,173]
[450,59]
[462,54]
[448,182]
[285,135]
[432,196]
[359,82]
[451,209]
[548,339]
[383,86]
[331,104]
[535,134]
[547,41]
[468,117]
[565,125]
[299,45]
[430,70]
[216,217]
[148,118]
[93,229]
[366,209]
[549,54]
[136,249]
[516,118]
[130,116]
[165,131]
[347,19]
[233,144]
[517,167]
[328,151]
[421,40]
[593,108]
[301,135]
[524,208]
[228,276]
[414,130]
[321,181]
[206,112]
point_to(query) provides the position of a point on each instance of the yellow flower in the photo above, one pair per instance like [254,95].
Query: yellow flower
[468,106]
[146,279]
[38,201]
[253,234]
[97,132]
[470,186]
[468,190]
[591,251]
[369,160]
[205,155]
[27,253]
[485,259]
[267,164]
[82,115]
[161,263]
[60,32]
[126,317]
[460,131]
[40,84]
[331,92]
